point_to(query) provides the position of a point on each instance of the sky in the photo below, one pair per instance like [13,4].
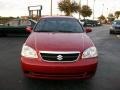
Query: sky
[20,7]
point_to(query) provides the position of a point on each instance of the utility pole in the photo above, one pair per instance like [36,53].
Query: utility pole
[51,8]
[93,9]
[87,2]
[102,8]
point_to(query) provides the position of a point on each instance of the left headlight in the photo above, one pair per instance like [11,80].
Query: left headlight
[28,52]
[90,53]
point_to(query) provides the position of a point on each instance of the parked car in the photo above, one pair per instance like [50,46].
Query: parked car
[16,27]
[59,48]
[92,23]
[115,27]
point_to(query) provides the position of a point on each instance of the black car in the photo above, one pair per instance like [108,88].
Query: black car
[115,27]
[92,23]
[16,27]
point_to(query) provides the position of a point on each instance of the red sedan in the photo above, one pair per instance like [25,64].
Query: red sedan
[58,48]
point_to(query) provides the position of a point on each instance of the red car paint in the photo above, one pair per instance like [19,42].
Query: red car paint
[57,42]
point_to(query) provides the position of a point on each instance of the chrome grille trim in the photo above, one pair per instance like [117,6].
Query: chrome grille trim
[60,52]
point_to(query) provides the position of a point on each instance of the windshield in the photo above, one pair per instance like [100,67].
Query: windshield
[58,25]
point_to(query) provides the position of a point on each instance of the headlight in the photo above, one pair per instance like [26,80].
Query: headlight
[111,27]
[28,52]
[90,53]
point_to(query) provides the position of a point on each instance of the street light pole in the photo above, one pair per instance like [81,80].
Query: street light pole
[102,8]
[93,9]
[80,7]
[51,8]
[87,2]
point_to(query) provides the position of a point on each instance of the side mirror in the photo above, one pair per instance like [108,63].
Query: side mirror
[87,30]
[29,29]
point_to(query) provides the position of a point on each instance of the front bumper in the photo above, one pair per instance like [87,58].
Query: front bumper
[115,30]
[81,69]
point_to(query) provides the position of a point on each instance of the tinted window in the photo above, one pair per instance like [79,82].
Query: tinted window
[20,22]
[58,25]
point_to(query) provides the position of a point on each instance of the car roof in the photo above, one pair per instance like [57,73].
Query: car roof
[69,17]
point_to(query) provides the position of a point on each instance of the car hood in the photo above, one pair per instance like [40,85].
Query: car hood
[59,41]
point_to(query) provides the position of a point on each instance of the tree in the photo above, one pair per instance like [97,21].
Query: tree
[101,17]
[68,7]
[111,17]
[79,9]
[117,14]
[86,11]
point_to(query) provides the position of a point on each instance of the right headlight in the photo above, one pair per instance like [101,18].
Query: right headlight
[90,53]
[28,52]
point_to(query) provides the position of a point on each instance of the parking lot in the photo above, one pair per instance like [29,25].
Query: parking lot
[106,78]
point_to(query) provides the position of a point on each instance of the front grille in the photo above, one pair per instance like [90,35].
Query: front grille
[59,56]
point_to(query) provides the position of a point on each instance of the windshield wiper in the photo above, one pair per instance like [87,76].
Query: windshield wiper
[55,31]
[43,31]
[65,31]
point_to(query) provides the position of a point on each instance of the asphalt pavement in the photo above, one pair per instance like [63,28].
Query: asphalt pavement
[107,76]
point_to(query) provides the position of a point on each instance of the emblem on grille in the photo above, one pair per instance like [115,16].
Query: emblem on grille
[59,57]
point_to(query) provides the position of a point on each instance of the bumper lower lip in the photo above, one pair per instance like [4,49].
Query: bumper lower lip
[82,75]
[55,71]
